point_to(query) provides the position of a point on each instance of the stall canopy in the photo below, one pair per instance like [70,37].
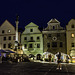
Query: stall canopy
[47,53]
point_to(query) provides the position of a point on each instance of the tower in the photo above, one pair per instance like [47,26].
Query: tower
[16,41]
[17,22]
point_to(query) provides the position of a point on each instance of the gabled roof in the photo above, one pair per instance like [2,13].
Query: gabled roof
[54,21]
[72,21]
[31,24]
[6,21]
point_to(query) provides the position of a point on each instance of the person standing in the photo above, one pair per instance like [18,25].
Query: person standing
[49,56]
[59,61]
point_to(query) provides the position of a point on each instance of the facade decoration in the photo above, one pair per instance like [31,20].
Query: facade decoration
[54,37]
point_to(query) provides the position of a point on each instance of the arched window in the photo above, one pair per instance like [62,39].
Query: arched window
[53,27]
[72,26]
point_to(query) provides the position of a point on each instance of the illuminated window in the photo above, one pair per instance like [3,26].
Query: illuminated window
[9,31]
[72,35]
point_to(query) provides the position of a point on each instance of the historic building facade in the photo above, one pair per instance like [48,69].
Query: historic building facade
[54,37]
[70,37]
[7,35]
[32,40]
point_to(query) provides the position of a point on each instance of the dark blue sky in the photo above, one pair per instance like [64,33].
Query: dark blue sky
[37,11]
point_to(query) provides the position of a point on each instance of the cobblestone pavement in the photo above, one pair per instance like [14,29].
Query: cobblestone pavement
[36,68]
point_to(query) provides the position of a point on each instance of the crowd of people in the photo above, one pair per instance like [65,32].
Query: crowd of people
[14,59]
[26,58]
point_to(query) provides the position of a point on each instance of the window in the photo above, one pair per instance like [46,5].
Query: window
[61,44]
[25,45]
[2,31]
[72,26]
[4,38]
[9,38]
[31,30]
[38,45]
[9,31]
[31,38]
[65,34]
[58,34]
[49,35]
[25,38]
[54,44]
[30,45]
[48,45]
[72,35]
[4,45]
[38,38]
[9,45]
[14,37]
[53,27]
[72,44]
[15,48]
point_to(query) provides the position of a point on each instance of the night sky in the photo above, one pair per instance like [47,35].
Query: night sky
[37,11]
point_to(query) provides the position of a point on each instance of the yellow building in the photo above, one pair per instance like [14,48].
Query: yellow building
[70,36]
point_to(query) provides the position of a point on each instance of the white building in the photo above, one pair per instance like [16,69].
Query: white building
[32,40]
[7,35]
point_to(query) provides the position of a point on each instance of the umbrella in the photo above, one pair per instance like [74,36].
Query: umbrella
[2,51]
[9,51]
